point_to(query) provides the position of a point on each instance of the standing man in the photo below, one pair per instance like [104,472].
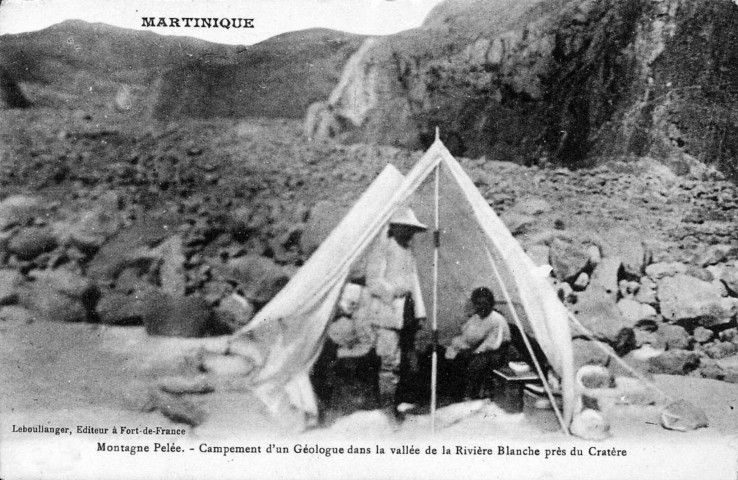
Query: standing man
[393,304]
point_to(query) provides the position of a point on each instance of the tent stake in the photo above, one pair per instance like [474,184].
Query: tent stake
[434,357]
[519,324]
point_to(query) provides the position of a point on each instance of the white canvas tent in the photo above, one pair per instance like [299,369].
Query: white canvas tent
[476,249]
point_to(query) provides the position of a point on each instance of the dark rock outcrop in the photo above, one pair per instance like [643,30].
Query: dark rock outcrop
[552,80]
[174,316]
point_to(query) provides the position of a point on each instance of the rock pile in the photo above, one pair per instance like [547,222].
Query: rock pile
[189,229]
[178,275]
[666,316]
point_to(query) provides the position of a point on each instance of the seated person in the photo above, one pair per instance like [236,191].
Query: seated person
[345,375]
[482,346]
[353,336]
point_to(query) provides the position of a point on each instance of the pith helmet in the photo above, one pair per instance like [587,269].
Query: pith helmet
[405,216]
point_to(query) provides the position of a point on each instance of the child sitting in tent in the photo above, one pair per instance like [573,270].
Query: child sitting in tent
[482,345]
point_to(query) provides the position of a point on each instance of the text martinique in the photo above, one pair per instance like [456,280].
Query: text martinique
[197,22]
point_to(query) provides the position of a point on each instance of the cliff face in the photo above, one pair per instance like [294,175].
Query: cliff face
[562,81]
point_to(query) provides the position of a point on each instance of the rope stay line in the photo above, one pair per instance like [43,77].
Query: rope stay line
[519,324]
[609,351]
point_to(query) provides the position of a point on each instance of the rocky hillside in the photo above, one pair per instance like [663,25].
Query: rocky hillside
[105,69]
[80,65]
[189,228]
[565,81]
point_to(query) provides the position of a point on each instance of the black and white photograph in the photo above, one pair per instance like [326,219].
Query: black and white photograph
[370,239]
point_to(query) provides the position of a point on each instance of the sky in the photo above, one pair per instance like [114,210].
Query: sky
[271,17]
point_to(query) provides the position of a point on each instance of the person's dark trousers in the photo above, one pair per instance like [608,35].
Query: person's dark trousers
[473,371]
[323,377]
[409,384]
[357,383]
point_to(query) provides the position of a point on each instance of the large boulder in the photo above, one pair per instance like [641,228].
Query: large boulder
[132,247]
[606,274]
[172,276]
[32,242]
[119,308]
[702,335]
[165,314]
[10,281]
[720,350]
[675,337]
[634,311]
[683,417]
[18,210]
[685,298]
[713,255]
[69,283]
[631,249]
[257,277]
[647,292]
[699,273]
[637,360]
[52,305]
[60,295]
[729,276]
[568,259]
[657,271]
[647,334]
[597,311]
[88,229]
[674,362]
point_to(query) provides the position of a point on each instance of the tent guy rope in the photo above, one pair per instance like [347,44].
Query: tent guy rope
[519,324]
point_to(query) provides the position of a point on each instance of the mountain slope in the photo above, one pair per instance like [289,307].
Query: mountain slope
[98,67]
[279,77]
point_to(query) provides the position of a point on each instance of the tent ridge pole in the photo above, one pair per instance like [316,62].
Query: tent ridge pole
[434,357]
